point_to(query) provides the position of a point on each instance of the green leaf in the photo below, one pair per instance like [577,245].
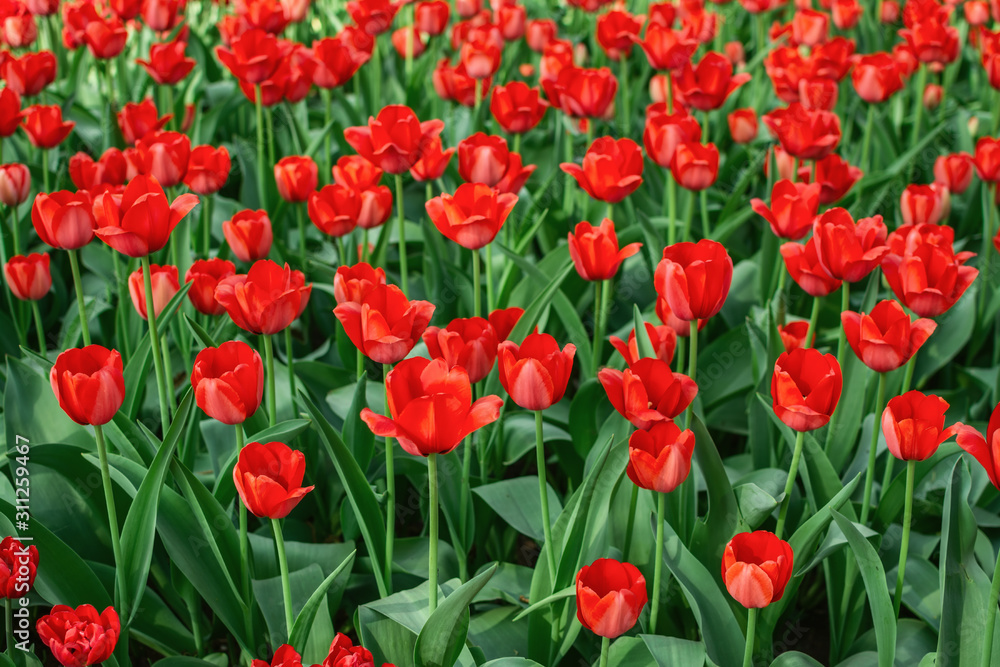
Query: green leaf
[795,659]
[442,638]
[673,651]
[304,621]
[873,575]
[569,591]
[642,342]
[713,532]
[517,502]
[357,435]
[511,662]
[139,532]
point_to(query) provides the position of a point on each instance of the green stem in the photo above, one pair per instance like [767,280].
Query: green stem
[911,468]
[327,151]
[432,575]
[517,145]
[867,139]
[261,183]
[633,502]
[671,209]
[206,226]
[543,490]
[168,374]
[605,650]
[477,285]
[286,588]
[272,411]
[300,221]
[121,316]
[360,363]
[10,627]
[42,347]
[463,506]
[45,170]
[290,359]
[602,293]
[490,301]
[154,341]
[751,631]
[918,104]
[706,226]
[693,351]
[626,112]
[109,499]
[654,610]
[74,265]
[390,492]
[813,318]
[15,230]
[870,473]
[845,305]
[790,483]
[244,548]
[400,214]
[991,616]
[269,124]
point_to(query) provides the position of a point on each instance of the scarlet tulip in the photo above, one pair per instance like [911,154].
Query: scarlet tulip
[473,216]
[846,13]
[660,459]
[228,382]
[848,250]
[876,77]
[556,56]
[140,223]
[666,48]
[296,177]
[263,301]
[647,391]
[483,158]
[28,278]
[885,338]
[695,166]
[536,372]
[63,219]
[539,33]
[30,73]
[922,204]
[835,177]
[45,127]
[517,107]
[205,275]
[804,267]
[928,279]
[612,170]
[138,120]
[595,252]
[932,41]
[431,16]
[742,125]
[105,37]
[165,156]
[335,209]
[351,284]
[818,93]
[707,85]
[985,450]
[793,209]
[18,566]
[913,425]
[793,335]
[583,93]
[609,597]
[252,57]
[15,184]
[503,321]
[663,338]
[665,132]
[987,159]
[805,388]
[10,111]
[373,16]
[343,653]
[208,169]
[617,30]
[87,173]
[470,343]
[756,568]
[395,139]
[165,286]
[162,15]
[285,656]
[79,637]
[480,52]
[804,133]
[384,325]
[454,83]
[809,27]
[432,162]
[954,171]
[88,383]
[694,278]
[19,29]
[431,407]
[268,477]
[167,64]
[336,61]
[933,95]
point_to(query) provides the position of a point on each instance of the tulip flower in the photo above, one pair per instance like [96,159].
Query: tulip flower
[384,325]
[834,175]
[79,637]
[707,85]
[165,286]
[393,140]
[504,320]
[847,250]
[285,656]
[583,93]
[617,31]
[539,33]
[15,184]
[885,338]
[954,171]
[470,343]
[431,16]
[694,278]
[249,235]
[29,279]
[928,279]
[335,209]
[18,567]
[876,78]
[88,174]
[45,127]
[648,392]
[803,265]
[351,284]
[167,64]
[595,252]
[610,596]
[742,125]
[208,169]
[205,274]
[793,209]
[136,120]
[667,49]
[921,204]
[665,132]
[695,166]
[228,382]
[517,107]
[433,162]
[795,335]
[140,224]
[611,171]
[165,156]
[987,159]
[295,177]
[663,338]
[10,111]
[264,300]
[30,73]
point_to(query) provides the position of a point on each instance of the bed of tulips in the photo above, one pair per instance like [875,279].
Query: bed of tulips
[500,334]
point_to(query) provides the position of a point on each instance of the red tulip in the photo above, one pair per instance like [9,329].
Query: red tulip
[165,286]
[977,12]
[351,284]
[647,391]
[28,278]
[515,177]
[933,94]
[793,335]
[473,216]
[756,568]
[695,166]
[63,219]
[373,16]
[932,41]
[470,343]
[921,204]
[609,597]
[954,171]
[88,383]
[663,338]
[228,382]
[252,57]
[617,30]
[539,33]
[165,156]
[19,28]
[384,325]
[987,159]
[18,566]
[742,125]
[803,133]
[595,252]
[885,338]
[206,274]
[30,73]
[79,637]
[454,83]
[876,77]
[431,407]
[928,279]
[431,16]
[105,37]
[536,372]
[10,112]
[793,209]
[834,175]
[804,267]
[666,48]
[162,15]
[138,120]
[809,27]
[481,51]
[849,251]
[583,93]
[556,56]
[660,459]
[612,170]
[517,107]
[417,44]
[395,139]
[694,278]
[285,656]
[140,223]
[268,477]
[15,184]
[805,388]
[432,163]
[296,177]
[45,127]
[335,209]
[985,450]
[336,61]
[503,321]
[818,93]
[707,85]
[890,11]
[846,13]
[483,158]
[665,132]
[208,169]
[913,425]
[263,301]
[167,64]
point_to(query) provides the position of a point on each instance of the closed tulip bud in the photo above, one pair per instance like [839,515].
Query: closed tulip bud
[165,156]
[846,13]
[647,391]
[138,223]
[922,204]
[695,166]
[473,216]
[743,125]
[81,636]
[138,120]
[512,20]
[228,382]
[503,321]
[536,372]
[848,250]
[933,94]
[793,335]
[663,339]
[205,275]
[15,184]
[954,171]
[595,252]
[913,425]
[694,278]
[28,278]
[805,388]
[517,107]
[818,93]
[45,127]
[165,286]
[612,169]
[384,325]
[610,596]
[208,169]
[470,343]
[876,77]
[804,133]
[660,459]
[63,219]
[296,177]
[890,11]
[18,566]
[268,477]
[335,209]
[19,28]
[483,159]
[432,16]
[885,338]
[583,93]
[539,33]
[756,568]
[987,159]
[395,139]
[88,383]
[665,132]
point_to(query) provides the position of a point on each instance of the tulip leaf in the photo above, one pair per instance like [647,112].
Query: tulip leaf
[873,575]
[671,651]
[359,491]
[642,342]
[517,502]
[795,659]
[357,436]
[32,412]
[569,591]
[442,638]
[139,532]
[304,621]
[199,332]
[712,532]
[511,662]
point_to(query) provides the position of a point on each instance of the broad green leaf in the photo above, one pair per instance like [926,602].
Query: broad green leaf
[795,659]
[517,502]
[642,342]
[357,436]
[303,622]
[671,651]
[569,591]
[442,638]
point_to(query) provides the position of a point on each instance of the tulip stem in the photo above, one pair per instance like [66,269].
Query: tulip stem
[626,112]
[463,507]
[991,616]
[629,526]
[706,226]
[813,319]
[602,291]
[154,342]
[42,347]
[671,209]
[490,303]
[845,305]
[45,169]
[605,650]
[432,519]
[870,473]
[403,279]
[751,631]
[918,104]
[261,186]
[327,150]
[74,265]
[390,491]
[289,359]
[911,471]
[654,610]
[360,363]
[300,220]
[206,226]
[866,144]
[286,589]
[244,547]
[790,483]
[543,489]
[109,500]
[517,145]
[272,411]
[693,353]
[168,374]
[477,297]
[688,215]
